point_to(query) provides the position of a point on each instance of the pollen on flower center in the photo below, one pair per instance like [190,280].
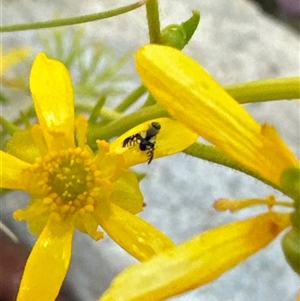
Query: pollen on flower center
[67,181]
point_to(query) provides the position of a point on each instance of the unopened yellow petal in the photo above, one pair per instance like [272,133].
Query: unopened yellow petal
[52,92]
[191,95]
[11,170]
[173,137]
[197,261]
[133,234]
[47,265]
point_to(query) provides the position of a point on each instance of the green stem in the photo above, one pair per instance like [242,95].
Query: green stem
[125,123]
[212,154]
[266,90]
[149,101]
[73,20]
[288,88]
[7,126]
[131,98]
[29,112]
[110,115]
[95,112]
[153,21]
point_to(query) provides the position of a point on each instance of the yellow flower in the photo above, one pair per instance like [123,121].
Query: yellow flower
[73,188]
[192,96]
[197,261]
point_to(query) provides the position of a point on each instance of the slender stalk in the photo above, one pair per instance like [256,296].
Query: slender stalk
[131,98]
[153,21]
[256,91]
[212,154]
[110,115]
[95,112]
[7,126]
[266,90]
[234,205]
[123,124]
[149,101]
[73,20]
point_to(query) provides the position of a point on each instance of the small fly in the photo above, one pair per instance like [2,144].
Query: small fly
[146,143]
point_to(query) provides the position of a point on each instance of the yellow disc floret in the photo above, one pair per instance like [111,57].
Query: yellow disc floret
[67,183]
[68,178]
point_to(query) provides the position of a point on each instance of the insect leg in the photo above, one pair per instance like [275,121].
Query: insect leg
[150,153]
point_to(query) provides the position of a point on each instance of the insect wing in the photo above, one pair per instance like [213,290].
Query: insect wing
[133,140]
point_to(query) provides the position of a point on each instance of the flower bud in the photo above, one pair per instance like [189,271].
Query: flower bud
[178,36]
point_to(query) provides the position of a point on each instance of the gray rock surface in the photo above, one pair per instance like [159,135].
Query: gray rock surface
[235,42]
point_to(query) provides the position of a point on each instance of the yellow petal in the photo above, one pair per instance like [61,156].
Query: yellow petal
[81,127]
[126,193]
[173,137]
[11,171]
[190,94]
[36,214]
[47,265]
[133,234]
[197,261]
[52,93]
[39,139]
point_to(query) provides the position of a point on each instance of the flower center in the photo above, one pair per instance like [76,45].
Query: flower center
[68,181]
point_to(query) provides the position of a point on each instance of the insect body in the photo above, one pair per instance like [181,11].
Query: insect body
[147,142]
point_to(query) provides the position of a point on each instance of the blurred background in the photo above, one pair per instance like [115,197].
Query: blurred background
[287,11]
[236,41]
